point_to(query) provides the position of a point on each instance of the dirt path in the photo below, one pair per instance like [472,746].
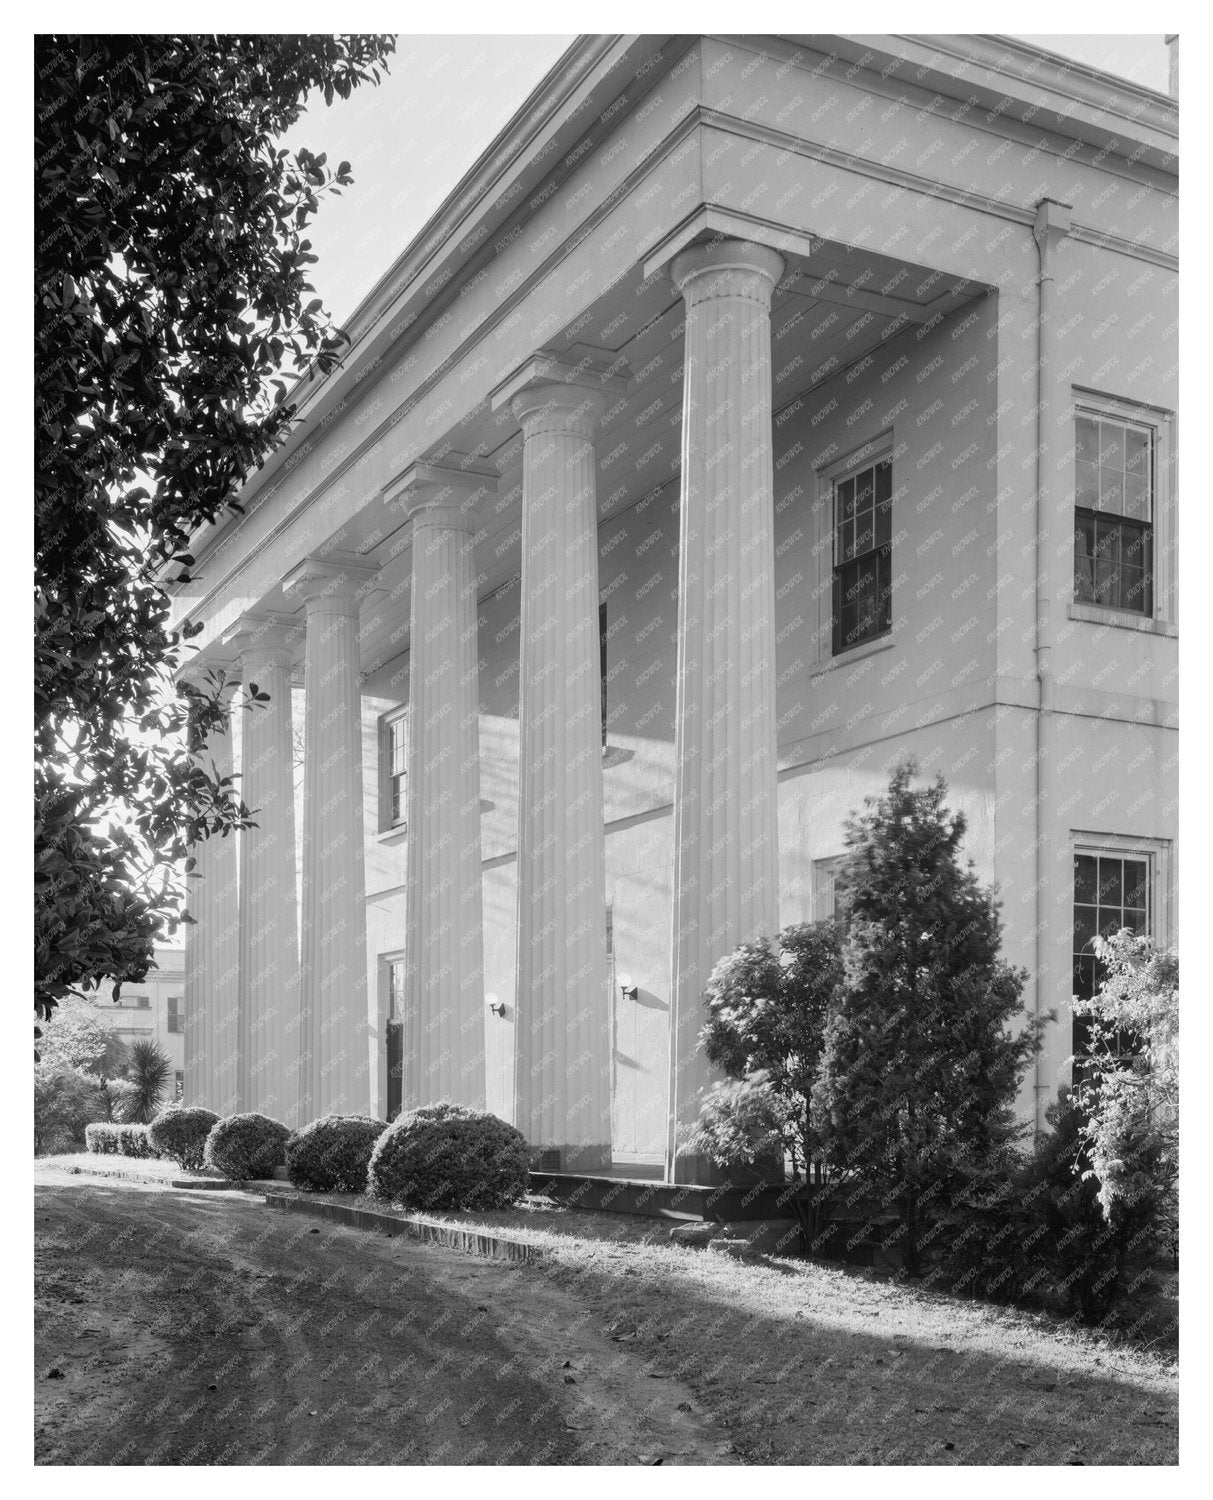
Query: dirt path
[197,1328]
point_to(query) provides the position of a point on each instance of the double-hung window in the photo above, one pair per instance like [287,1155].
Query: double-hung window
[395,751]
[176,1013]
[1112,889]
[863,554]
[1115,465]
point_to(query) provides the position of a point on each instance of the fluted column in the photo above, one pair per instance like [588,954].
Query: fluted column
[563,1045]
[269,921]
[334,1034]
[212,954]
[444,950]
[726,858]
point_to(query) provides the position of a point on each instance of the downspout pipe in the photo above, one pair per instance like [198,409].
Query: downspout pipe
[1050,228]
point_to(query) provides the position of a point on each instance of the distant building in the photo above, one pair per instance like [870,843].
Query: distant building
[154,1011]
[756,412]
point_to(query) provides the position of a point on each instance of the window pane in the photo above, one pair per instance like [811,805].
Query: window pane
[884,480]
[1137,452]
[1111,490]
[1086,485]
[1084,562]
[1137,497]
[1111,881]
[884,523]
[846,498]
[865,535]
[1133,586]
[863,493]
[1086,439]
[1084,977]
[1135,872]
[1112,446]
[1084,927]
[1086,878]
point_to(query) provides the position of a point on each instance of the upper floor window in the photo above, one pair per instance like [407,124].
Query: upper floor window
[863,554]
[1114,503]
[176,1013]
[394,752]
[135,1002]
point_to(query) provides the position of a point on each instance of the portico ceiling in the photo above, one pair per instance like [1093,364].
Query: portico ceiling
[834,305]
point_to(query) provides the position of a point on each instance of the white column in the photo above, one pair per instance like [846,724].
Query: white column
[563,1044]
[726,857]
[269,920]
[212,957]
[444,950]
[334,1039]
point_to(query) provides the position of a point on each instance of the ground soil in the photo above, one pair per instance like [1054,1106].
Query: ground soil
[179,1327]
[677,1355]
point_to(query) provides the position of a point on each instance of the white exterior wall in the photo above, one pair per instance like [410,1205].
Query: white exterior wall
[776,133]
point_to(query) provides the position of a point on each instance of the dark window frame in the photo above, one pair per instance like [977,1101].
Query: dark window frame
[861,522]
[1114,563]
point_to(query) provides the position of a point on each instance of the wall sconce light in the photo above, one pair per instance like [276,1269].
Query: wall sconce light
[495,1005]
[627,987]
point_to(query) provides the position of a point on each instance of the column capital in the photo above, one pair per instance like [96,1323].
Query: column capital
[450,493]
[264,639]
[337,583]
[553,392]
[727,268]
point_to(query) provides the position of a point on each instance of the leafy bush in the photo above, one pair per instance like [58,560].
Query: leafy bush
[181,1134]
[245,1147]
[332,1154]
[447,1156]
[1036,1232]
[65,1104]
[767,1006]
[133,1141]
[102,1138]
[1130,1093]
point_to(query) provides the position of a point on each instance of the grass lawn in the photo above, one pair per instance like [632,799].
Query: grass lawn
[148,1168]
[810,1363]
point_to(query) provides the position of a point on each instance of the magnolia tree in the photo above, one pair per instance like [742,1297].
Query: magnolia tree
[1130,1095]
[767,1005]
[172,306]
[926,1042]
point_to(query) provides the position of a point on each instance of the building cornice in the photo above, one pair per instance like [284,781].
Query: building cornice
[418,286]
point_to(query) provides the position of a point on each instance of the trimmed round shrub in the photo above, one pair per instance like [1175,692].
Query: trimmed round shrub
[102,1138]
[245,1147]
[180,1134]
[331,1155]
[447,1156]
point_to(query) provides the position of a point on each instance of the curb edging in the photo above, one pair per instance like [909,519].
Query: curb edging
[487,1245]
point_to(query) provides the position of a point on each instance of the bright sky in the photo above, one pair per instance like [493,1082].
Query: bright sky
[412,138]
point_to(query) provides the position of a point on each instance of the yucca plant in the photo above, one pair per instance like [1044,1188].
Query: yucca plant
[147,1074]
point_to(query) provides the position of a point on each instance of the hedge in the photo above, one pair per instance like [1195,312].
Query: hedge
[133,1141]
[447,1156]
[180,1134]
[246,1147]
[331,1155]
[102,1139]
